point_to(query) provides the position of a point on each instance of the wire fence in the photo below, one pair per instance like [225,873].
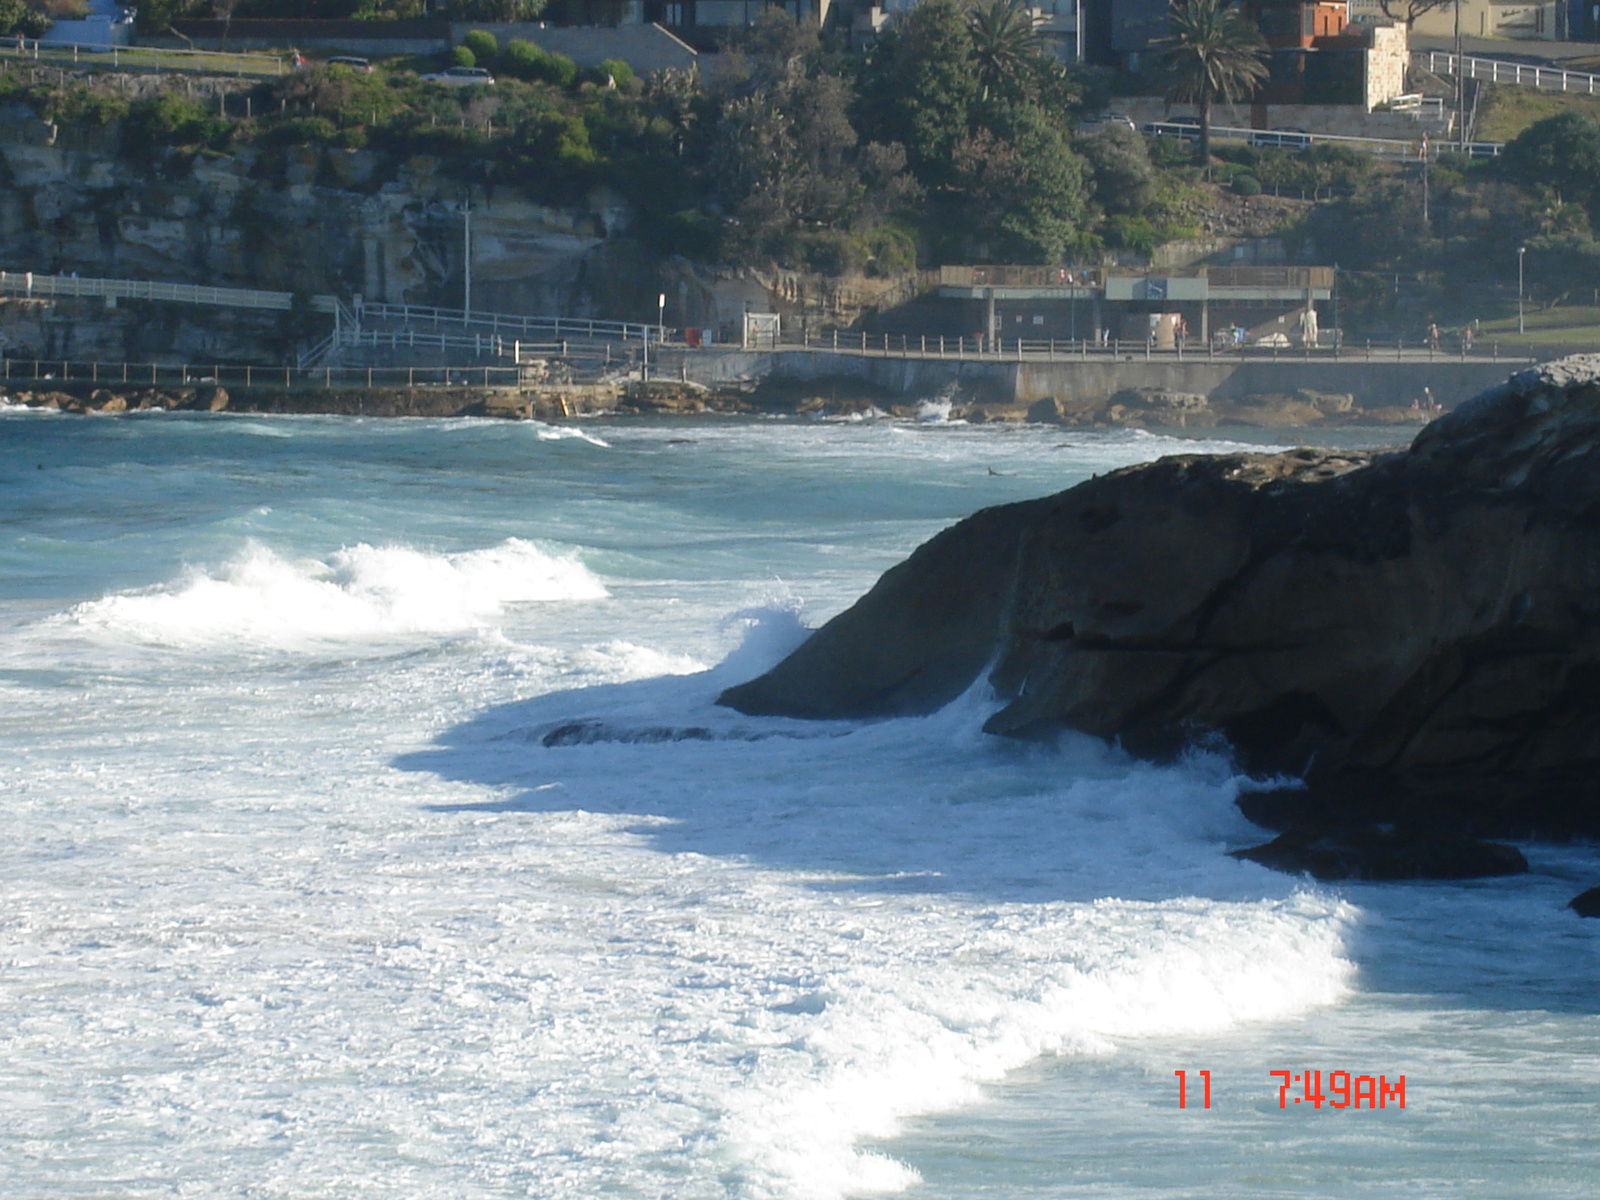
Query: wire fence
[42,371]
[152,59]
[555,365]
[1331,346]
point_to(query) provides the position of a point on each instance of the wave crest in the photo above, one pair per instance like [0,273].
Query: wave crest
[358,591]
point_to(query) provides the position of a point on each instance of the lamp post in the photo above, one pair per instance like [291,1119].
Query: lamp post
[466,259]
[1521,250]
[1461,88]
[661,317]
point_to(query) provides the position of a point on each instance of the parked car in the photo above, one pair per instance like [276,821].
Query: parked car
[1282,138]
[351,61]
[1107,119]
[1185,129]
[461,77]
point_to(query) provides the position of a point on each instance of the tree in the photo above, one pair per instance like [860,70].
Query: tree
[918,86]
[17,17]
[1004,46]
[1020,194]
[1407,11]
[1124,178]
[1213,52]
[497,10]
[784,160]
[1560,154]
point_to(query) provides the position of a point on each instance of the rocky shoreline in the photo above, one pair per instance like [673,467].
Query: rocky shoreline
[1413,635]
[1143,408]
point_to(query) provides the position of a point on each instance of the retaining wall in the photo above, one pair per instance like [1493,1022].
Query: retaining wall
[1373,384]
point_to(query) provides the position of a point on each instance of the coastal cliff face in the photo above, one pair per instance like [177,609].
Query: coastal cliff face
[286,218]
[1417,633]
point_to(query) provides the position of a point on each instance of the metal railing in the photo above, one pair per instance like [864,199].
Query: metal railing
[32,284]
[505,324]
[45,371]
[558,370]
[1018,276]
[1416,103]
[1280,278]
[1492,70]
[980,348]
[1287,140]
[154,59]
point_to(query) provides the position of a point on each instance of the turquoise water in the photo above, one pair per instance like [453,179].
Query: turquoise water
[372,832]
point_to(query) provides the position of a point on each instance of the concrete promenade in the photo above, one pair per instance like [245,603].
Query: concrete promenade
[1392,379]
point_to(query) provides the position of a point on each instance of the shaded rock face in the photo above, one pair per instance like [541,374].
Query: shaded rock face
[1330,853]
[1417,633]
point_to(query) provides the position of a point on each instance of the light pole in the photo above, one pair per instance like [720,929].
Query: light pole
[1521,250]
[661,317]
[466,259]
[1461,88]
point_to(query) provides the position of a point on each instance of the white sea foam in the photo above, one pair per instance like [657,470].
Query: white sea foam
[561,433]
[919,1029]
[346,924]
[359,591]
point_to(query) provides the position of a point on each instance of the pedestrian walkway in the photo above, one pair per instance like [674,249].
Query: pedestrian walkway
[1494,70]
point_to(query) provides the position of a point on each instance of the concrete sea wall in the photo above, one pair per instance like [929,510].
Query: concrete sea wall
[1095,380]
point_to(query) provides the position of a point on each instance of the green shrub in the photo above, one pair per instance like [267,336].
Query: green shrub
[463,57]
[1132,233]
[561,70]
[483,46]
[617,69]
[693,233]
[169,120]
[522,60]
[302,131]
[1247,185]
[16,17]
[86,106]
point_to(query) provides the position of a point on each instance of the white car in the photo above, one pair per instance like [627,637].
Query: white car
[461,77]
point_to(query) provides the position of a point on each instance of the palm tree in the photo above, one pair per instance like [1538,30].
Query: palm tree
[1004,45]
[1213,52]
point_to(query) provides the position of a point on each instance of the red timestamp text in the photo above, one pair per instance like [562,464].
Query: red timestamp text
[1342,1089]
[1345,1090]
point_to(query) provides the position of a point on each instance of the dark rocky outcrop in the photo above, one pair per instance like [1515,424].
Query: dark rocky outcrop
[1586,904]
[1352,852]
[1416,633]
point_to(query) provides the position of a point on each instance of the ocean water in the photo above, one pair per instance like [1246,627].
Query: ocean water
[371,832]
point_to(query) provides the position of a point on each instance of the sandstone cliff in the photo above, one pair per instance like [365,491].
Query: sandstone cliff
[1416,633]
[313,219]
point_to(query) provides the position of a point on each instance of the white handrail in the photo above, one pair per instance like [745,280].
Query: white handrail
[33,283]
[1493,70]
[505,323]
